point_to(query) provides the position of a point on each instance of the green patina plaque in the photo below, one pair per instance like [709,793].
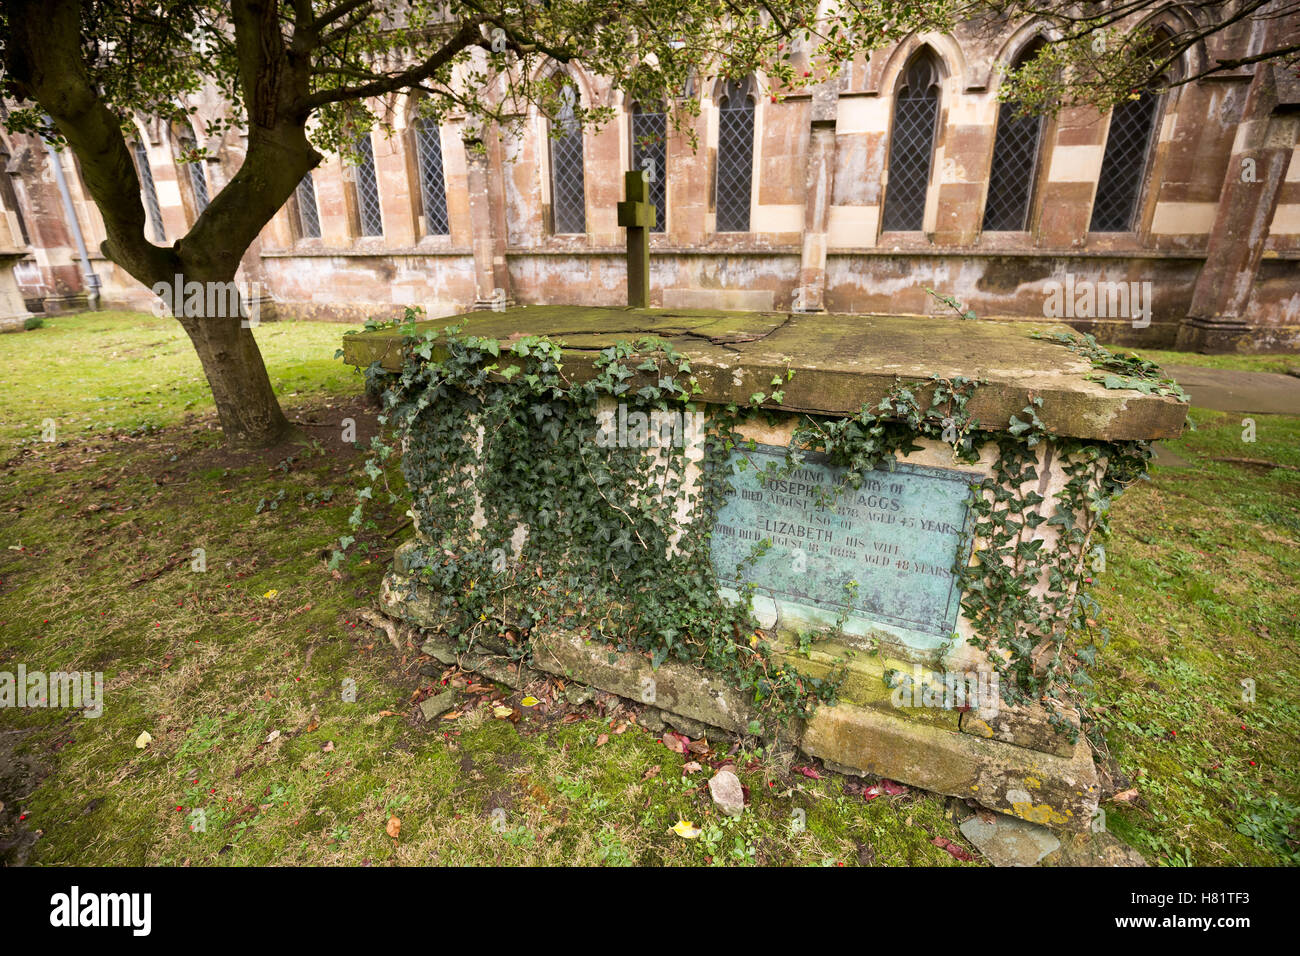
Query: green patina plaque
[899,535]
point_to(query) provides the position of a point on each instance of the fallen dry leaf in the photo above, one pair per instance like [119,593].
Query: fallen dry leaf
[675,742]
[394,827]
[686,829]
[691,767]
[1125,796]
[960,852]
[652,772]
[602,740]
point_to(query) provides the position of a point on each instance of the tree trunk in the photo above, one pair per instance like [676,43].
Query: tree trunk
[249,412]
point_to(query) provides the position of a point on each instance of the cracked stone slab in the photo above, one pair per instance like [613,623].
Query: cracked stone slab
[1093,848]
[840,362]
[1007,841]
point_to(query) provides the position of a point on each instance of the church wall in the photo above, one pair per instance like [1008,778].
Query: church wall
[820,172]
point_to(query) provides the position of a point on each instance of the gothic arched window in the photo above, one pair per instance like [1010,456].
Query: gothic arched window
[1127,144]
[150,191]
[1016,149]
[307,215]
[433,183]
[568,185]
[193,168]
[650,153]
[911,145]
[365,185]
[735,173]
[1128,147]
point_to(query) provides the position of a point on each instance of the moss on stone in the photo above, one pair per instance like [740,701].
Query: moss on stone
[840,362]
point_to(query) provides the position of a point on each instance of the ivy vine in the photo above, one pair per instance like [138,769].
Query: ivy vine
[528,513]
[1115,370]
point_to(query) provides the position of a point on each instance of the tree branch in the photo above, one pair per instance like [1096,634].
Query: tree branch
[44,58]
[279,153]
[464,38]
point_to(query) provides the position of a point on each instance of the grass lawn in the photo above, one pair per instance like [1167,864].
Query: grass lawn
[236,671]
[1282,364]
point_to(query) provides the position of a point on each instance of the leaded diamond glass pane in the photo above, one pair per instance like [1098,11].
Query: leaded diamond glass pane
[1120,182]
[735,158]
[1011,181]
[151,206]
[911,148]
[568,192]
[198,181]
[308,214]
[650,152]
[200,184]
[433,184]
[372,222]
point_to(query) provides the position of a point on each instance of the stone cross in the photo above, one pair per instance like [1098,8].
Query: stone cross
[637,213]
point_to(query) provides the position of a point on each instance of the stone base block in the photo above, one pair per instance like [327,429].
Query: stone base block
[674,688]
[1039,787]
[864,685]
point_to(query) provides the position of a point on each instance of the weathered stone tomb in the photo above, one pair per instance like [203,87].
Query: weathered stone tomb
[924,551]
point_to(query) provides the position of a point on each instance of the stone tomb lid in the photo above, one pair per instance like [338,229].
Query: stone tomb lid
[840,361]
